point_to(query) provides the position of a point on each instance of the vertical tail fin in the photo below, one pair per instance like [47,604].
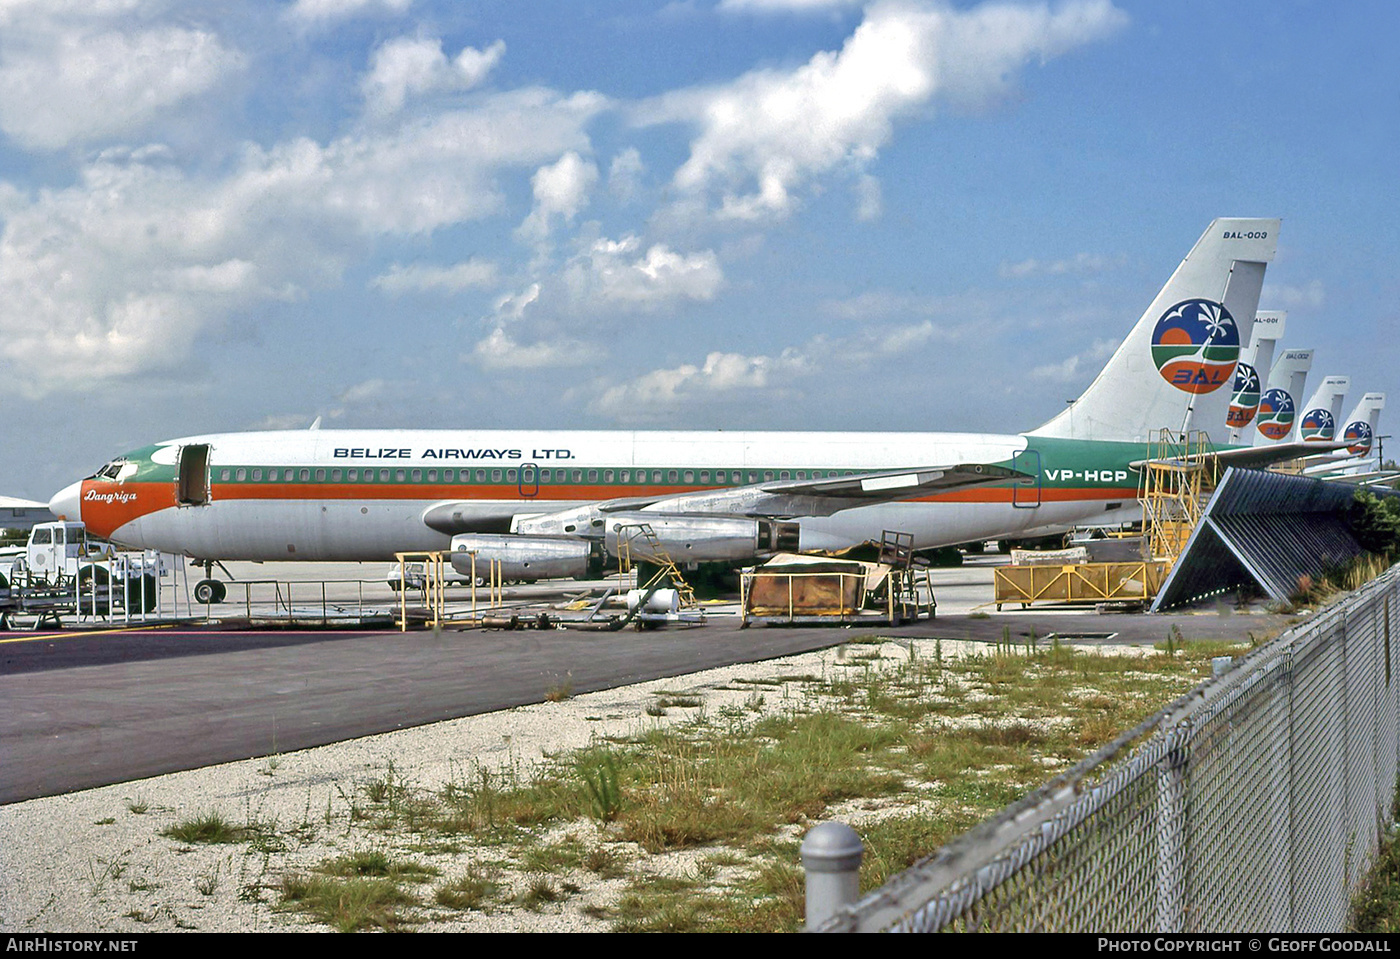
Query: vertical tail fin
[1249,383]
[1323,409]
[1278,407]
[1360,428]
[1177,364]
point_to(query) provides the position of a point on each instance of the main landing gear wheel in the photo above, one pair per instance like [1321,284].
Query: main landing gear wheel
[209,591]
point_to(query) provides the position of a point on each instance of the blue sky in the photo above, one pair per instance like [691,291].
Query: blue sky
[792,214]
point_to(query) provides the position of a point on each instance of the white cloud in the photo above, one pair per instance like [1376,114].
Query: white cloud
[501,348]
[625,175]
[658,394]
[764,135]
[364,391]
[324,11]
[123,272]
[1079,263]
[1312,294]
[561,189]
[661,392]
[610,274]
[407,67]
[81,81]
[499,351]
[785,6]
[1079,366]
[447,279]
[869,203]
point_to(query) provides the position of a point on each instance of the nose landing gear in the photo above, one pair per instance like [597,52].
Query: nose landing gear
[209,591]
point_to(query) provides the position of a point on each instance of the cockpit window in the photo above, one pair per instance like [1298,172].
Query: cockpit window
[112,469]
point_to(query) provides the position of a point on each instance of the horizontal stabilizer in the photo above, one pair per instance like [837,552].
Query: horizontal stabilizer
[1255,457]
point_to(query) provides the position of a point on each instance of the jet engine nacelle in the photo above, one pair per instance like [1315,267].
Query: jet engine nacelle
[521,557]
[693,539]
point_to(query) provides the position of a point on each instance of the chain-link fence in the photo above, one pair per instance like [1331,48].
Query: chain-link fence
[1257,802]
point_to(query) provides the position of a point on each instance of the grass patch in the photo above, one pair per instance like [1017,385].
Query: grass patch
[211,828]
[913,750]
[349,905]
[477,890]
[377,864]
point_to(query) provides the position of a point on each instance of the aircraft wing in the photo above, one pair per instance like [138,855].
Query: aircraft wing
[1256,457]
[770,499]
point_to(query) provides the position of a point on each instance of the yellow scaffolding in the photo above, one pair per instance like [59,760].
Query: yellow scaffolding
[1180,472]
[435,582]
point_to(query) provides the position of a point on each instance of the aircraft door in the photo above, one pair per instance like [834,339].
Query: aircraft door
[1025,494]
[192,487]
[529,481]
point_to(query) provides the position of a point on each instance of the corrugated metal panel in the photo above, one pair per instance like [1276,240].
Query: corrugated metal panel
[1268,529]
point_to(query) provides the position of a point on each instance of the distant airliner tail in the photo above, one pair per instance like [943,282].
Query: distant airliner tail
[1176,367]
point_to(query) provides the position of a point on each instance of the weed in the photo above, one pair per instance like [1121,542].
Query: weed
[475,891]
[608,863]
[111,870]
[376,864]
[138,806]
[560,691]
[538,891]
[604,793]
[349,904]
[211,828]
[208,883]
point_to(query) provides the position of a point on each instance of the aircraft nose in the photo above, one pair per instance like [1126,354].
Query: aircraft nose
[67,502]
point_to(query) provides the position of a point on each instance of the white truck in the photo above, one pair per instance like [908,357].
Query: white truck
[59,556]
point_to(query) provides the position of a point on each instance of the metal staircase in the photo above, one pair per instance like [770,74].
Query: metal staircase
[1177,480]
[650,551]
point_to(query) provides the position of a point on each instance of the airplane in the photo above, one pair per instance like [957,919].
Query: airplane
[1358,433]
[555,504]
[1278,410]
[1244,400]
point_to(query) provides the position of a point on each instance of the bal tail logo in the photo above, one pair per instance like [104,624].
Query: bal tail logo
[1358,436]
[1276,414]
[1317,425]
[1196,345]
[1244,403]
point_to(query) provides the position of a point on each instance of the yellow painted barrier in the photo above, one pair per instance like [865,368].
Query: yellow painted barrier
[1079,583]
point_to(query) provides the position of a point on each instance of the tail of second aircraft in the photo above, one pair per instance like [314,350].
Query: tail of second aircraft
[1177,365]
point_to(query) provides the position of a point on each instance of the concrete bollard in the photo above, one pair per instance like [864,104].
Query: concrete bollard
[831,854]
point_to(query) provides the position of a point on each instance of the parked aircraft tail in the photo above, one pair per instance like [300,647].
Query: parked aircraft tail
[1323,409]
[1249,382]
[1177,365]
[1278,406]
[1360,428]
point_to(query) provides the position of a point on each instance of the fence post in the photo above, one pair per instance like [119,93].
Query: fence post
[1171,837]
[831,854]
